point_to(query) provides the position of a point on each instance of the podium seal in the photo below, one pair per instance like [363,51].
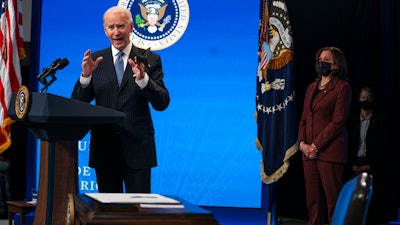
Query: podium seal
[22,102]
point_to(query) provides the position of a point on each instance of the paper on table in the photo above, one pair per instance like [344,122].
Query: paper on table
[131,198]
[32,202]
[169,206]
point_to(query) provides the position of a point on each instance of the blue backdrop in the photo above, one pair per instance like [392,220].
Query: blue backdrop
[205,139]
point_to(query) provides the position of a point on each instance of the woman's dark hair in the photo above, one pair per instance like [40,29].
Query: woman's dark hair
[338,58]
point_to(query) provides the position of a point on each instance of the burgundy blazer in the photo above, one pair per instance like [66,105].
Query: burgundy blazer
[323,120]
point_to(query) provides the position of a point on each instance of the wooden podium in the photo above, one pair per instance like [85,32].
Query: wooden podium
[59,123]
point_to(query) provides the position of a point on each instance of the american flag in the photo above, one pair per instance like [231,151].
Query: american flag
[12,50]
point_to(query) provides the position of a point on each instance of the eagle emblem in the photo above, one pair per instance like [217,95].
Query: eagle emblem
[158,24]
[153,14]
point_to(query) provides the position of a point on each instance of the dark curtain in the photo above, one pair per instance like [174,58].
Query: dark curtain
[368,33]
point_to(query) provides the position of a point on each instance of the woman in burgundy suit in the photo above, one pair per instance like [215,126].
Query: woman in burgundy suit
[323,135]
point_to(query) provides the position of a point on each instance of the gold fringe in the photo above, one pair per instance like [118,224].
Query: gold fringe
[258,145]
[22,53]
[282,170]
[6,145]
[269,218]
[284,57]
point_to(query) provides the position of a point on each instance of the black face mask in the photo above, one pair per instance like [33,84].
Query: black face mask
[324,68]
[366,105]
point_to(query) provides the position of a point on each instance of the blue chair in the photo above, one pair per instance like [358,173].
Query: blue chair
[398,219]
[353,202]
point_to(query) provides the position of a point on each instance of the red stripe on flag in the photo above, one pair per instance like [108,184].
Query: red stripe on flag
[19,30]
[264,57]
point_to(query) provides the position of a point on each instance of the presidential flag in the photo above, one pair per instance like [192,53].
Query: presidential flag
[12,50]
[275,95]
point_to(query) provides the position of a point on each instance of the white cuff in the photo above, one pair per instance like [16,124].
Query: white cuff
[143,82]
[85,80]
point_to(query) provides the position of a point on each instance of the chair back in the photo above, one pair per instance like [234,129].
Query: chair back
[353,201]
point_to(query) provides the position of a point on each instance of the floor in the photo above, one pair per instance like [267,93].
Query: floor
[230,216]
[283,221]
[238,221]
[240,216]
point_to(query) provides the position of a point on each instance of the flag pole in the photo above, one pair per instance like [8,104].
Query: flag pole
[269,203]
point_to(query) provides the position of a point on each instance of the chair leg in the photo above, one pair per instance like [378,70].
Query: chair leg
[10,218]
[22,219]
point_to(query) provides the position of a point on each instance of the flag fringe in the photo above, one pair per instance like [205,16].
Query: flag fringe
[269,179]
[278,62]
[22,53]
[4,146]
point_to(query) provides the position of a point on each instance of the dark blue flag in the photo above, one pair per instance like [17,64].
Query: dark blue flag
[275,99]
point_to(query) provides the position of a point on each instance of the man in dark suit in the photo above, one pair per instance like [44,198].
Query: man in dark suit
[123,153]
[364,134]
[367,141]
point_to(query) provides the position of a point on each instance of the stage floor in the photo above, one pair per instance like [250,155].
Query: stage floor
[235,216]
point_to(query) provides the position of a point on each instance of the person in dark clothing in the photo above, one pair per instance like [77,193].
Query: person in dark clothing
[123,154]
[365,147]
[364,134]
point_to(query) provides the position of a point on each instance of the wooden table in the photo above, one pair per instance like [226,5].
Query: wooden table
[20,207]
[91,212]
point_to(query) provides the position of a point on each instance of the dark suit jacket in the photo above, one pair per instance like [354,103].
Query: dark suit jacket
[134,136]
[372,140]
[377,158]
[323,121]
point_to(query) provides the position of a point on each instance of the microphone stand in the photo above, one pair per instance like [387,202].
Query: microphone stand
[43,80]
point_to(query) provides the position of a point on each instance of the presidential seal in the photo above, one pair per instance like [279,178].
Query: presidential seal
[22,102]
[158,24]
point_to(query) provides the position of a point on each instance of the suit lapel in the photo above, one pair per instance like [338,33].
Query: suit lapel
[319,97]
[323,92]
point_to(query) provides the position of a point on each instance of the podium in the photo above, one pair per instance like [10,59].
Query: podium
[59,123]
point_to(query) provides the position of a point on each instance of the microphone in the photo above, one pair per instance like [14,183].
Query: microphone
[55,65]
[45,71]
[55,62]
[61,64]
[50,71]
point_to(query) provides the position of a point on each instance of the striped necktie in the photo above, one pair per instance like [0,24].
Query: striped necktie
[119,66]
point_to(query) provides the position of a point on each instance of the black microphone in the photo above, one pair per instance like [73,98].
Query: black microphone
[46,71]
[51,71]
[60,64]
[55,62]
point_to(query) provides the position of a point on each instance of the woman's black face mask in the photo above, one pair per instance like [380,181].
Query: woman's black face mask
[324,68]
